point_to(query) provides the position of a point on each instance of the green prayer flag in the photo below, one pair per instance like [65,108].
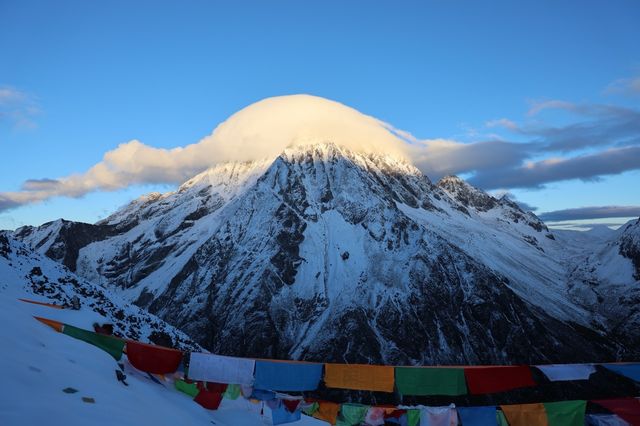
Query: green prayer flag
[565,413]
[352,414]
[501,419]
[112,345]
[232,392]
[413,417]
[430,381]
[190,389]
[311,409]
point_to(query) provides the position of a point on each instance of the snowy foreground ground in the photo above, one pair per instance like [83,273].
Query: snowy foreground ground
[39,363]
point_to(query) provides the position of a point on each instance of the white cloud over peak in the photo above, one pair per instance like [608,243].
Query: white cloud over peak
[263,130]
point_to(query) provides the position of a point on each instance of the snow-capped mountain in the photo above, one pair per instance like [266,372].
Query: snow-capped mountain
[331,252]
[605,279]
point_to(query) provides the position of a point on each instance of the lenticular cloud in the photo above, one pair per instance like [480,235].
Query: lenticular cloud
[266,128]
[260,131]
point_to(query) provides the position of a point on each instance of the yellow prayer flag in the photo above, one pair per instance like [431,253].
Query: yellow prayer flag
[359,377]
[525,414]
[327,411]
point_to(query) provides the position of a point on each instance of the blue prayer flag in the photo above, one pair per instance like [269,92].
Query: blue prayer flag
[631,371]
[280,414]
[477,416]
[285,376]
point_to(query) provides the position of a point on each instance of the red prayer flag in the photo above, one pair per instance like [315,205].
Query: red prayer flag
[209,400]
[626,408]
[153,359]
[291,404]
[395,414]
[494,379]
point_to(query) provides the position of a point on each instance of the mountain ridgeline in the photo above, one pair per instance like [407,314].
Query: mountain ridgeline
[330,254]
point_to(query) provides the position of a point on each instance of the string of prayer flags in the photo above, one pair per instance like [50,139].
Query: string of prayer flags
[287,376]
[430,381]
[219,376]
[494,379]
[359,377]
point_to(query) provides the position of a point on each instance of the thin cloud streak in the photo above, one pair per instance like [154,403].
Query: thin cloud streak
[18,108]
[624,86]
[594,212]
[586,167]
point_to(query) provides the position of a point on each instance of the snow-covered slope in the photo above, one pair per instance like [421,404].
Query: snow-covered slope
[604,277]
[335,248]
[30,275]
[497,233]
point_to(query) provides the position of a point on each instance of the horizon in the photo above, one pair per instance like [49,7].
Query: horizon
[544,107]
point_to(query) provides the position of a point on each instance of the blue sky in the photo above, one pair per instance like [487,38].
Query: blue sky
[79,78]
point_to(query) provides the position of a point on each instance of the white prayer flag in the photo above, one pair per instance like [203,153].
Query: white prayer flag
[221,369]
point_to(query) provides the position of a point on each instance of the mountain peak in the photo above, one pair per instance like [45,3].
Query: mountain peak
[330,151]
[452,180]
[466,194]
